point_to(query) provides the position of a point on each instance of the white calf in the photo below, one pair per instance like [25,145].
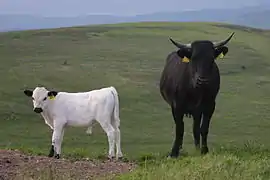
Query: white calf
[82,109]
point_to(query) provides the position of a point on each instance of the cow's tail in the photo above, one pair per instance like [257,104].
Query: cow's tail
[116,118]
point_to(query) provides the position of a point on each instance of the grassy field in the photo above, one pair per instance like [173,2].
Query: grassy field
[131,58]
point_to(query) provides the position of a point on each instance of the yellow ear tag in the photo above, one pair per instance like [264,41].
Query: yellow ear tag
[185,60]
[51,97]
[221,55]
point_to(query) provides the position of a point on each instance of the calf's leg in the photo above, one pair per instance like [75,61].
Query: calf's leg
[57,138]
[119,153]
[116,124]
[90,127]
[110,131]
[51,153]
[89,130]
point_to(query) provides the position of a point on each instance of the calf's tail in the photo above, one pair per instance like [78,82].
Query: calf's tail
[116,118]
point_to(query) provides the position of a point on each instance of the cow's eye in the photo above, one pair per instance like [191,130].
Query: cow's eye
[44,98]
[32,98]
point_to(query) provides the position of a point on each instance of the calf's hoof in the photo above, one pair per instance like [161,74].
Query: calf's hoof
[57,156]
[119,157]
[51,152]
[204,150]
[110,157]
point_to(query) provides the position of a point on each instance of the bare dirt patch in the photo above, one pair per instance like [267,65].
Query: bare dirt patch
[16,165]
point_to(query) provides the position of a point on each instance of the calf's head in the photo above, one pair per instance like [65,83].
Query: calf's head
[41,97]
[200,55]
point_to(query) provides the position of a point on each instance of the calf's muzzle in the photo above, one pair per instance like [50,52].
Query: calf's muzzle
[38,110]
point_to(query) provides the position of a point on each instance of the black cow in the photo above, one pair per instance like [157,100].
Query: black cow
[190,83]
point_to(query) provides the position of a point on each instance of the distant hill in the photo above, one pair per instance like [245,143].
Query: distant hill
[257,16]
[256,19]
[24,22]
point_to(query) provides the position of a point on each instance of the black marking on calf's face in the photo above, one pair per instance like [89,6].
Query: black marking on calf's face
[28,93]
[38,110]
[52,93]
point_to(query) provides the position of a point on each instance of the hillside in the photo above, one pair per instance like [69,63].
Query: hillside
[131,57]
[255,16]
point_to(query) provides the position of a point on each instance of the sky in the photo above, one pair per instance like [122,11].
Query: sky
[113,7]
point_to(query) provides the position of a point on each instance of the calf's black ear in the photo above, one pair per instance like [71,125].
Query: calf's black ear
[28,93]
[52,93]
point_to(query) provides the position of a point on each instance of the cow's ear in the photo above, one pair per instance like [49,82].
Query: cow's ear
[28,93]
[221,52]
[52,94]
[184,54]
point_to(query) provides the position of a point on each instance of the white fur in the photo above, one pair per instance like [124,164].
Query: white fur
[81,109]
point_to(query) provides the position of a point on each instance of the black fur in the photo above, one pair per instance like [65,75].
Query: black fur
[28,93]
[57,156]
[191,89]
[52,93]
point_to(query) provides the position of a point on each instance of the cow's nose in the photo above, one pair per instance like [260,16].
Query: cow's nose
[38,110]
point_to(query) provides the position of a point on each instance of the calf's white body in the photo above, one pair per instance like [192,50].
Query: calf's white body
[80,109]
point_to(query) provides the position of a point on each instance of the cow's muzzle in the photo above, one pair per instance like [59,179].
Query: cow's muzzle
[38,110]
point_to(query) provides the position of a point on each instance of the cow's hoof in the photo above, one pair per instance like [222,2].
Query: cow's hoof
[204,150]
[57,156]
[173,156]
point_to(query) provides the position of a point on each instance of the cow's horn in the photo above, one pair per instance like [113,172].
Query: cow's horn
[223,42]
[180,45]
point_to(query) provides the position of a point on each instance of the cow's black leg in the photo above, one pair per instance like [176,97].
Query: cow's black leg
[207,115]
[197,129]
[179,132]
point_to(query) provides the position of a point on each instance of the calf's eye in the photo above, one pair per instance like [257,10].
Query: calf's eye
[44,98]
